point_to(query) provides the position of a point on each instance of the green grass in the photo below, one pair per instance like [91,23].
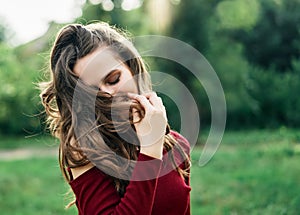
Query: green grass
[253,172]
[33,186]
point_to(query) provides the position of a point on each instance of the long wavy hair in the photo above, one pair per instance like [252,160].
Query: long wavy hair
[81,116]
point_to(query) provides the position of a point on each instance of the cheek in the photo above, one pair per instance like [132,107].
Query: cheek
[128,84]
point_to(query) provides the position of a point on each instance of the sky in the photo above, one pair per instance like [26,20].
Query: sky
[28,19]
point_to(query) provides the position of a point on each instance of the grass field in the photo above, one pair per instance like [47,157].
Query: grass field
[253,172]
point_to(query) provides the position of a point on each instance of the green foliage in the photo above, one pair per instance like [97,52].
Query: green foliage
[252,45]
[207,32]
[3,30]
[248,43]
[18,97]
[232,69]
[274,40]
[190,23]
[2,33]
[134,21]
[238,14]
[276,96]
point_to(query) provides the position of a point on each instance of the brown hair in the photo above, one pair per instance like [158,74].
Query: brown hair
[89,133]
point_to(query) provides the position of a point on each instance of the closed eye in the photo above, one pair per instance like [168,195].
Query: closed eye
[113,77]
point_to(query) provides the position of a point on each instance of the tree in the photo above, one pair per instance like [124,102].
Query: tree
[135,21]
[3,31]
[274,41]
[18,97]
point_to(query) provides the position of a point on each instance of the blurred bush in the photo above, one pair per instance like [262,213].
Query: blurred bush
[254,48]
[18,96]
[253,45]
[276,95]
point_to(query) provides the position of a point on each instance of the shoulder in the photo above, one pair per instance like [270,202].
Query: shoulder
[76,172]
[89,177]
[182,141]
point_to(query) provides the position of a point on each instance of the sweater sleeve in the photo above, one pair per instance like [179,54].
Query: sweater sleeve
[95,192]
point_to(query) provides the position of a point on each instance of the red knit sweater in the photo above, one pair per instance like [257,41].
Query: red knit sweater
[167,194]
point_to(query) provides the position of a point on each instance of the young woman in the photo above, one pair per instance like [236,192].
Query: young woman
[116,151]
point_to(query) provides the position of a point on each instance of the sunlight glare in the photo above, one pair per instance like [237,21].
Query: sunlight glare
[95,2]
[175,2]
[108,5]
[131,4]
[29,19]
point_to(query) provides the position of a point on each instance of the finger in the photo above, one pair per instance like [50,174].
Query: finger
[135,115]
[142,100]
[150,94]
[132,95]
[154,99]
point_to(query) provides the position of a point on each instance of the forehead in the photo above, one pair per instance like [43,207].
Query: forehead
[96,65]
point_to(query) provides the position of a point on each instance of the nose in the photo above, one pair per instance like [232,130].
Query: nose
[108,89]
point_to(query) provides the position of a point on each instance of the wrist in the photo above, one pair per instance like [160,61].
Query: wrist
[154,150]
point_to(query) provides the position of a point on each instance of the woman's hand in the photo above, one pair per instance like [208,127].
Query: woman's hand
[151,129]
